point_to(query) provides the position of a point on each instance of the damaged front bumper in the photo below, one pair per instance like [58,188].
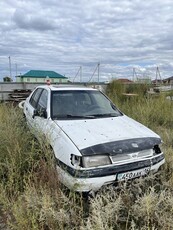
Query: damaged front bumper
[86,180]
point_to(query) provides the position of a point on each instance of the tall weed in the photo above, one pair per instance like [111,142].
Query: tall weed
[31,196]
[150,110]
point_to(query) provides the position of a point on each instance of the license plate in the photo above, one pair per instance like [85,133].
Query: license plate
[133,174]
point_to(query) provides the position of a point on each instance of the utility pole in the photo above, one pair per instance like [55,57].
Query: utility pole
[80,74]
[98,69]
[98,66]
[16,69]
[134,75]
[10,65]
[79,70]
[158,74]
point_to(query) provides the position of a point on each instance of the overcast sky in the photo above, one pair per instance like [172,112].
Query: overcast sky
[63,35]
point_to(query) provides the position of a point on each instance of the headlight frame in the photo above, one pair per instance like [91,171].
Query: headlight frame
[95,161]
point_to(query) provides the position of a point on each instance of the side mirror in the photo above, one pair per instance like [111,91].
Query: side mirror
[40,113]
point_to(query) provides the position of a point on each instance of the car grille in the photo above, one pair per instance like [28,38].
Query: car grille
[121,158]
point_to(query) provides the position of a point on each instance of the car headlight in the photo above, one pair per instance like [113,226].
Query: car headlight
[93,161]
[157,149]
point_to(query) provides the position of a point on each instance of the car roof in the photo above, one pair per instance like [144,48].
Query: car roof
[65,87]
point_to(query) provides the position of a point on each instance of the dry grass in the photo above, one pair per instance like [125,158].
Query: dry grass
[32,198]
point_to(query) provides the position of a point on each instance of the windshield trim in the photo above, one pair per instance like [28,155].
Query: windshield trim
[85,115]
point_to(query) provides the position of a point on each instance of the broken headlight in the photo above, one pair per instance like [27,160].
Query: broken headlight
[75,160]
[157,149]
[93,161]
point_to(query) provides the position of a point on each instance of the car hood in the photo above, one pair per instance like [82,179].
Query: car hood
[94,132]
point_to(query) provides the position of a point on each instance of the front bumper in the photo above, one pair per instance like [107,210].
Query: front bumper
[94,179]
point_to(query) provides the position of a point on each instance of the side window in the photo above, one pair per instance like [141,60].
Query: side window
[34,98]
[42,103]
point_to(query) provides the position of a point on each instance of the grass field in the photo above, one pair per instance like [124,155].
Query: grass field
[31,197]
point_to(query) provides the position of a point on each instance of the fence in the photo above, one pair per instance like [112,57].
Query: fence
[8,88]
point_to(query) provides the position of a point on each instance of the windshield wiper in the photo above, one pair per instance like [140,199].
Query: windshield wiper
[92,116]
[67,116]
[104,115]
[80,116]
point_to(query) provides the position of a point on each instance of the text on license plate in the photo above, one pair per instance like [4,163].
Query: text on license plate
[133,174]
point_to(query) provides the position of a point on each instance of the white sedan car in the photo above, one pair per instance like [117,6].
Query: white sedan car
[93,142]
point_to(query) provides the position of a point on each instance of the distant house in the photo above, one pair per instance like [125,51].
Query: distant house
[41,76]
[157,81]
[168,80]
[143,80]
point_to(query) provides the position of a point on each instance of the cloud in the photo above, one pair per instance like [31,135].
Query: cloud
[29,21]
[63,35]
